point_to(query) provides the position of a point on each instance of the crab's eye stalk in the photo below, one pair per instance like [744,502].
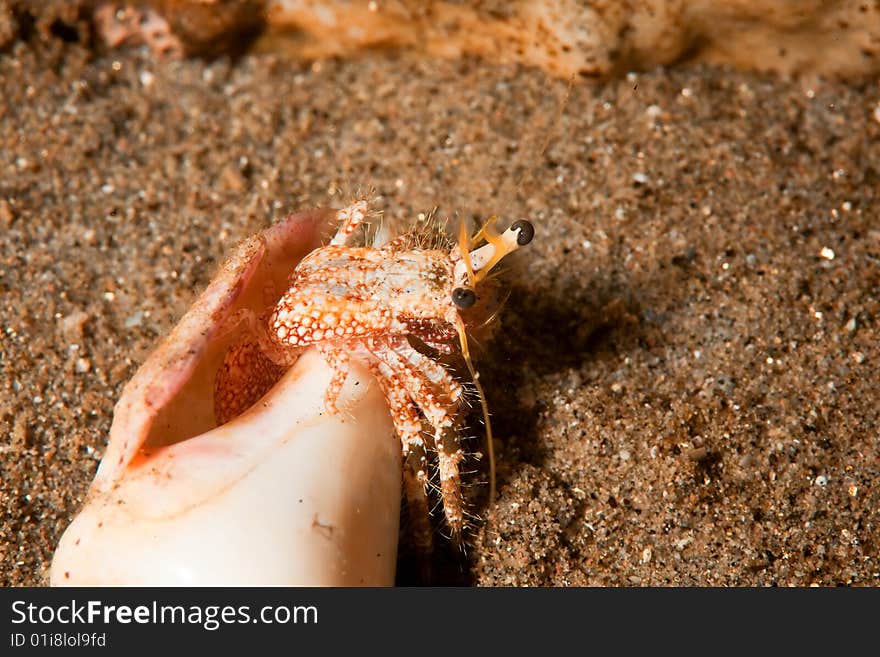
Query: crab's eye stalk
[477,264]
[526,231]
[464,297]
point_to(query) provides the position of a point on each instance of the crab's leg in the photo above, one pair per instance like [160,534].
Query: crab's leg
[436,373]
[337,359]
[408,425]
[349,218]
[441,417]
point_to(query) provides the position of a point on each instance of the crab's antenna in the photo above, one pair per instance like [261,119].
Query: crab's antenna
[475,377]
[476,265]
[464,247]
[491,318]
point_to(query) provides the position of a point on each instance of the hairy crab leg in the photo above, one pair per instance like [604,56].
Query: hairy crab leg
[408,425]
[337,359]
[441,417]
[436,373]
[349,219]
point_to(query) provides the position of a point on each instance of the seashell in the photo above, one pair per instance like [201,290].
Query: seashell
[284,494]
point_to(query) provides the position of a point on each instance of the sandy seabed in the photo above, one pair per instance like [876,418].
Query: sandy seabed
[684,381]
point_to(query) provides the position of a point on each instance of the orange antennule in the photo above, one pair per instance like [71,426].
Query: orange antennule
[464,247]
[502,248]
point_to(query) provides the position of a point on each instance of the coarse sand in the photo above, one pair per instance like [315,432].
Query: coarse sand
[684,381]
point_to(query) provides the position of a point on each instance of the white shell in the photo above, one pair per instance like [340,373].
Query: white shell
[285,494]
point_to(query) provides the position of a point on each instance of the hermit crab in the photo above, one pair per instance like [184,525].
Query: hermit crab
[364,303]
[261,426]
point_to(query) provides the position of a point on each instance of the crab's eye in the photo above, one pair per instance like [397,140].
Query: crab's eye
[464,297]
[526,231]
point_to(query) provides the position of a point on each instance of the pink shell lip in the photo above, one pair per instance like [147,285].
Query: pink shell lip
[170,397]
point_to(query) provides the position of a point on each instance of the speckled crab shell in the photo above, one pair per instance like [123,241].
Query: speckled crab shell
[282,494]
